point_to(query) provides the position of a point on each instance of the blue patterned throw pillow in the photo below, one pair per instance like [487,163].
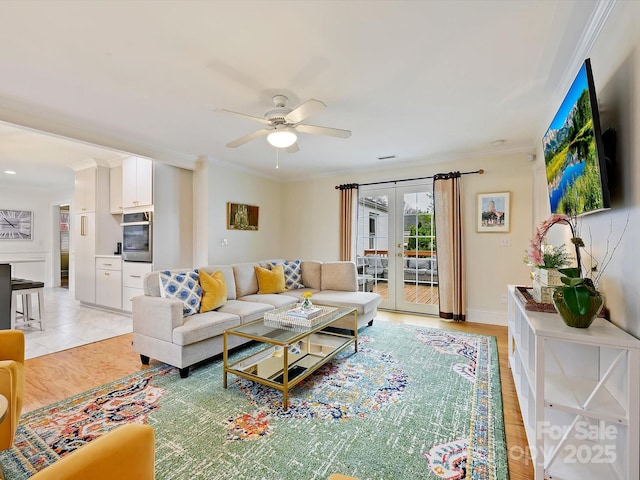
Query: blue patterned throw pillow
[183,286]
[292,274]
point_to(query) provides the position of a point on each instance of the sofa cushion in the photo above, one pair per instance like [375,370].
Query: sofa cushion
[420,263]
[247,311]
[375,271]
[270,262]
[418,271]
[363,302]
[374,261]
[336,277]
[203,326]
[297,294]
[270,281]
[292,274]
[229,279]
[214,290]
[151,281]
[311,274]
[246,280]
[277,300]
[183,286]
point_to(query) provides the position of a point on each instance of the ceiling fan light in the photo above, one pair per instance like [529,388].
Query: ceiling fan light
[282,137]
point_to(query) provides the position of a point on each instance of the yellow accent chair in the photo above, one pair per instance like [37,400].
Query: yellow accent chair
[11,382]
[125,453]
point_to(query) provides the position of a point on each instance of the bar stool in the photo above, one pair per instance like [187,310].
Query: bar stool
[25,289]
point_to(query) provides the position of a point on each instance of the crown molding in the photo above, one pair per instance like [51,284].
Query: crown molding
[597,20]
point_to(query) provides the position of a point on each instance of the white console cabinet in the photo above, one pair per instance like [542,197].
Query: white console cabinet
[579,392]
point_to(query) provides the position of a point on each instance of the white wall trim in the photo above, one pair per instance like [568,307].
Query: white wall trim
[488,317]
[590,34]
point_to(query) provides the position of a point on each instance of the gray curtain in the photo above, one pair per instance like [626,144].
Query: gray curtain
[448,218]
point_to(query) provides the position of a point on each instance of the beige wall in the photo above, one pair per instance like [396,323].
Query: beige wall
[616,70]
[312,210]
[229,185]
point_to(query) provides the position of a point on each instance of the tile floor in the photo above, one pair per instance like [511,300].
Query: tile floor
[68,325]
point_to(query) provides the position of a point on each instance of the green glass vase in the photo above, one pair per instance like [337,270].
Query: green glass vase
[572,319]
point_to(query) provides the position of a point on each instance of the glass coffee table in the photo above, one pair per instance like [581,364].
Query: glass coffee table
[291,351]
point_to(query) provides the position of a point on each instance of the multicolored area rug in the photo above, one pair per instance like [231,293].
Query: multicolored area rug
[413,403]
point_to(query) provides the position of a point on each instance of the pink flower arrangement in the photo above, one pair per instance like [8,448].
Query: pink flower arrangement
[534,252]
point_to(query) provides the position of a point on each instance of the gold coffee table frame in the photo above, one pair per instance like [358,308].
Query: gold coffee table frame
[291,353]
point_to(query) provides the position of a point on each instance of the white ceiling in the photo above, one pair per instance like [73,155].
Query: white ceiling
[426,81]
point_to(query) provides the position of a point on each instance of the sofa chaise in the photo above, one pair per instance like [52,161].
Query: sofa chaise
[163,332]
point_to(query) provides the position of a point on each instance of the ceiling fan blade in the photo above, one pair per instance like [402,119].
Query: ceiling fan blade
[250,117]
[331,132]
[305,110]
[248,138]
[293,148]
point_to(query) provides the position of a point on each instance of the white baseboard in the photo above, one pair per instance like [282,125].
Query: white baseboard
[483,316]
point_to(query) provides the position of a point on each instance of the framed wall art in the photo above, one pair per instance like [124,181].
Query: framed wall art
[242,217]
[493,212]
[15,224]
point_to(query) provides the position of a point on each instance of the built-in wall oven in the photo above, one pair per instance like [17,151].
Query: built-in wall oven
[136,237]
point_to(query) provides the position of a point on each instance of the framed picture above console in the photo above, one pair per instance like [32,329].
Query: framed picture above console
[15,224]
[493,212]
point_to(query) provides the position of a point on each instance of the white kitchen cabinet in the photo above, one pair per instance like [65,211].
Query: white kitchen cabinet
[109,281]
[579,392]
[132,276]
[94,232]
[137,182]
[84,193]
[115,190]
[84,244]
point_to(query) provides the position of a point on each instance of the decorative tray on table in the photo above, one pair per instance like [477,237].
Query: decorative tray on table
[524,295]
[281,317]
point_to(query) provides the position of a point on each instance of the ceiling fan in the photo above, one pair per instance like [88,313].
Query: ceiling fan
[283,123]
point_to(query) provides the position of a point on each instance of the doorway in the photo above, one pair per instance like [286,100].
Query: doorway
[395,246]
[64,229]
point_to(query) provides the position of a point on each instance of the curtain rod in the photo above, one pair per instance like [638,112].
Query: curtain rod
[347,186]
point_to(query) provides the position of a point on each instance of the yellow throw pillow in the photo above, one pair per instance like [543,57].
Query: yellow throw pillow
[271,281]
[214,290]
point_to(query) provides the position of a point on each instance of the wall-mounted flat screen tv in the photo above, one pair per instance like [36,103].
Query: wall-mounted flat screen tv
[574,152]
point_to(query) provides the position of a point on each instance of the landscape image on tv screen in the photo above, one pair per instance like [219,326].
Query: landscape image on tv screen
[571,152]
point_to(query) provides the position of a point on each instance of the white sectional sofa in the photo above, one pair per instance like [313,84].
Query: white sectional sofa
[162,332]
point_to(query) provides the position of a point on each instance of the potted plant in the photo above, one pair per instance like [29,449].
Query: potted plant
[577,300]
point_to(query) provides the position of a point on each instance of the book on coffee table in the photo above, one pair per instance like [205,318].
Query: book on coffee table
[305,312]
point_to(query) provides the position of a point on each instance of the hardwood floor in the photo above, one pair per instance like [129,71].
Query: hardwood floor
[56,376]
[53,377]
[413,293]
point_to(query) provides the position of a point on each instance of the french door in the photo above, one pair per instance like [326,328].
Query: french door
[395,246]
